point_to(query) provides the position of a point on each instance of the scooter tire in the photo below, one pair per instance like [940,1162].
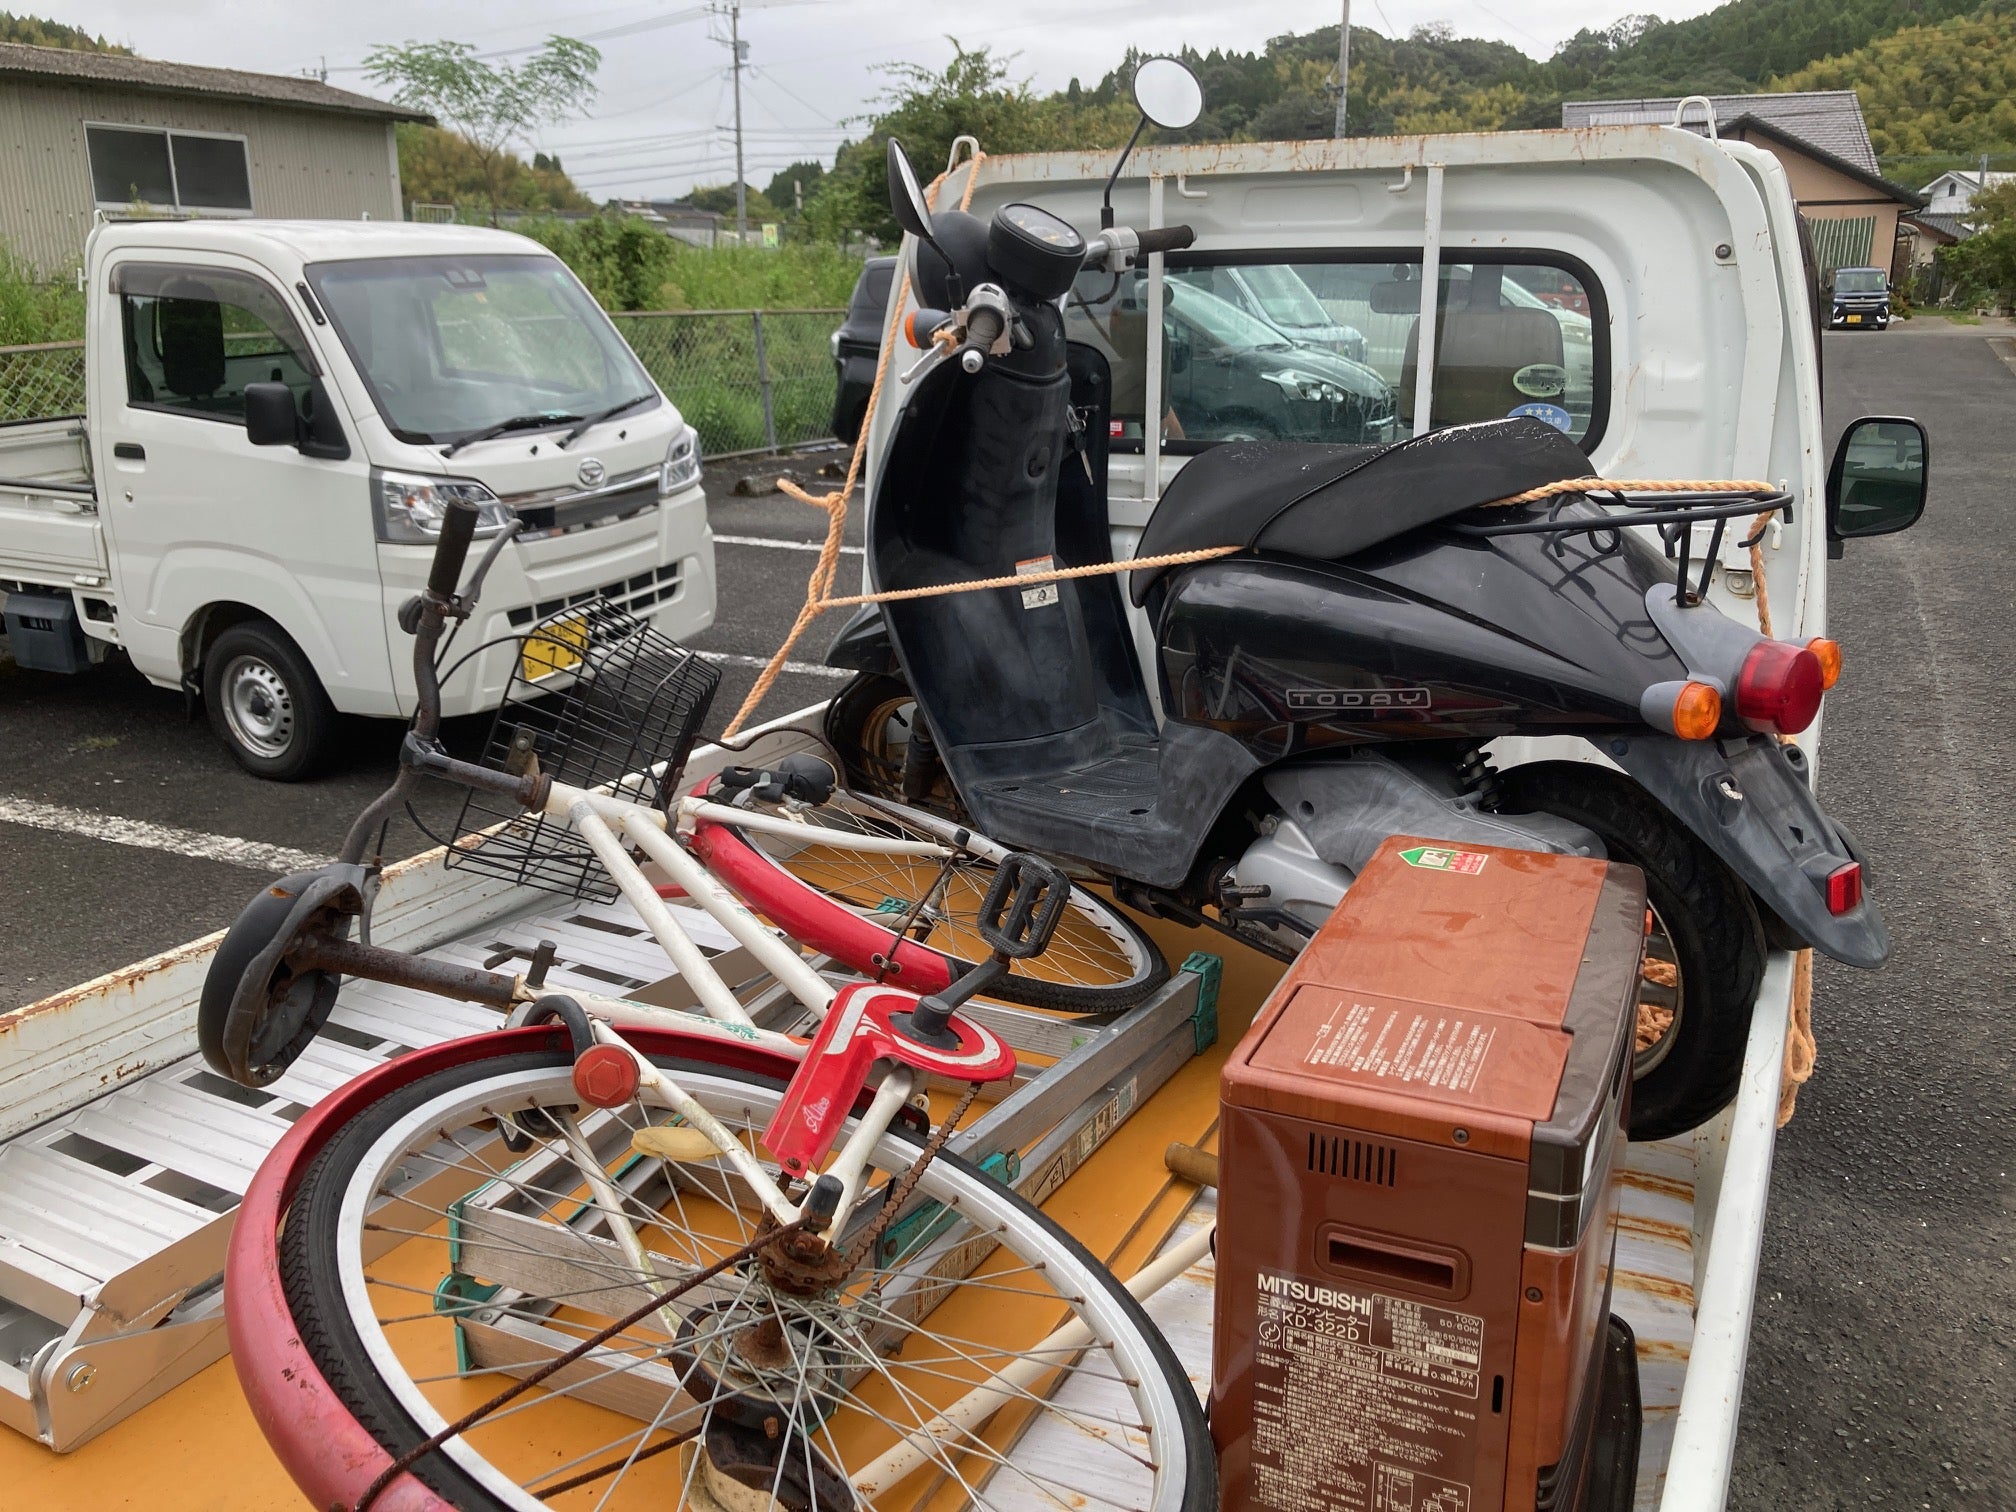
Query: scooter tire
[1709,916]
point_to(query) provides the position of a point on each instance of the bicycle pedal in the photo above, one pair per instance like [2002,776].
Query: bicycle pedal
[1024,904]
[860,1028]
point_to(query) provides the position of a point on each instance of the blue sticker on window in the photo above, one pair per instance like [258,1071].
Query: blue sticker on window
[1553,414]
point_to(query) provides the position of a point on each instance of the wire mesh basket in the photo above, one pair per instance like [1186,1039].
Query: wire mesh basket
[604,701]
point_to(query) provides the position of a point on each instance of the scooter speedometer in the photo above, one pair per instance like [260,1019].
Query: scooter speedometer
[1034,250]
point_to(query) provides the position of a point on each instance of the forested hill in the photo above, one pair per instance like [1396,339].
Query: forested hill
[1435,80]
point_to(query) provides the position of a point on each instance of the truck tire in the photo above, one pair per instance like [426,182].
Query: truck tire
[265,702]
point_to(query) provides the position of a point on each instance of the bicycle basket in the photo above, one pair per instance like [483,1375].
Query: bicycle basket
[605,701]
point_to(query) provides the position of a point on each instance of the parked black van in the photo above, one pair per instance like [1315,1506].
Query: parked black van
[1861,300]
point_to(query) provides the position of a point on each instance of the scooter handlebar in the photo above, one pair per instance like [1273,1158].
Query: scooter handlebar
[458,529]
[1166,239]
[983,329]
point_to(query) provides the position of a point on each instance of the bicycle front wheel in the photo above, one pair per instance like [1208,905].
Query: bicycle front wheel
[424,1264]
[914,918]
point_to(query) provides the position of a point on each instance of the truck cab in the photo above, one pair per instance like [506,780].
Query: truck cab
[277,414]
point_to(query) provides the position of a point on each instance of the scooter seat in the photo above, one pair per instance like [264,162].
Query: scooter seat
[1312,500]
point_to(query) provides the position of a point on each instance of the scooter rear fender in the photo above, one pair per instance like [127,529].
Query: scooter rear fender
[1749,801]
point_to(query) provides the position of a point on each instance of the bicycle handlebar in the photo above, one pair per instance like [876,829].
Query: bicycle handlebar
[458,529]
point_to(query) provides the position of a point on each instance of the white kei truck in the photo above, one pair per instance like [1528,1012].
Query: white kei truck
[276,414]
[122,1157]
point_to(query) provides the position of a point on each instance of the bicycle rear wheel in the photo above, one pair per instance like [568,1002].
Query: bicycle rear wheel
[423,1263]
[851,904]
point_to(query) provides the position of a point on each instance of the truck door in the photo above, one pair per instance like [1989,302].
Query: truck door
[199,516]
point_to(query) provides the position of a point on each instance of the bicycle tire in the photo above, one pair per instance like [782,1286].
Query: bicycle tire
[843,903]
[326,1280]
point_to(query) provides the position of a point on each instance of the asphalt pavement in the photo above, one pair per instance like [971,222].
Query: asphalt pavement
[1882,1370]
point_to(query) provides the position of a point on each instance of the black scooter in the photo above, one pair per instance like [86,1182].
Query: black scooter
[1334,682]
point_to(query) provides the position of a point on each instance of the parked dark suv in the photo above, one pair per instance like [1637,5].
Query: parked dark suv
[857,345]
[1861,300]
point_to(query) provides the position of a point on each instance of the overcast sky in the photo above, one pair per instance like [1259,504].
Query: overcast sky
[655,127]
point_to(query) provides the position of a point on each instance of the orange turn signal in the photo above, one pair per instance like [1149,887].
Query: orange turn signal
[1697,711]
[910,331]
[1828,653]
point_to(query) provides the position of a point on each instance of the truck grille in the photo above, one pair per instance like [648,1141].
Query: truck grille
[635,594]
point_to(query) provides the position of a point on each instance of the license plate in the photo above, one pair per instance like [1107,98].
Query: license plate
[553,647]
[1854,320]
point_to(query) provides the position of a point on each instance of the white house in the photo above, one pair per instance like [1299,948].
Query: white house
[1953,193]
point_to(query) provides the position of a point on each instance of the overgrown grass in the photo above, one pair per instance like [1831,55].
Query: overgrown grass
[33,310]
[630,264]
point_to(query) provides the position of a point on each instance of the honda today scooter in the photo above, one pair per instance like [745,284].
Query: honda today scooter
[1334,682]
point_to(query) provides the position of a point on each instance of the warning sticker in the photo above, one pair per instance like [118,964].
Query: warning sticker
[1042,593]
[1403,1045]
[1442,858]
[1361,1402]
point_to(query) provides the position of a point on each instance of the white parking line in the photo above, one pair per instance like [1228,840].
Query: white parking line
[251,854]
[777,544]
[803,669]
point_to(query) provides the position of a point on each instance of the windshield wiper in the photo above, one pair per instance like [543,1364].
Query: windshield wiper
[587,422]
[502,427]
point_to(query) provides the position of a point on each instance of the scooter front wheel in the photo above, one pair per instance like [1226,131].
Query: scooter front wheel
[1704,953]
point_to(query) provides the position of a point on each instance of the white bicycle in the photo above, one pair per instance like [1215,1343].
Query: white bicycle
[552,1265]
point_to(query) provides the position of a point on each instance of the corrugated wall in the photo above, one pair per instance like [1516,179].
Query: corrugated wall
[305,163]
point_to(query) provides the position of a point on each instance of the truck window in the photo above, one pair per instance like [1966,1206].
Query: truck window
[195,337]
[1309,349]
[451,345]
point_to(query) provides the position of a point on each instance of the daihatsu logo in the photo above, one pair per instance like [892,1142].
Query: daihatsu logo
[591,472]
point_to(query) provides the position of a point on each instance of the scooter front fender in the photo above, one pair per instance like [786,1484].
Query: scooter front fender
[1750,802]
[863,644]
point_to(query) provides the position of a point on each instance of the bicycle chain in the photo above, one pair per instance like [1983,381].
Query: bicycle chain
[898,1191]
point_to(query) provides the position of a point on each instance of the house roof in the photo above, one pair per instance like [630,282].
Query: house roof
[1830,119]
[1748,123]
[1951,227]
[19,61]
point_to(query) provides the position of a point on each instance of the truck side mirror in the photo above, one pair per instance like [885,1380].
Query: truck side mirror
[1876,484]
[270,415]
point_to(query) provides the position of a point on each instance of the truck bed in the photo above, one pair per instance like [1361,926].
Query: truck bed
[1691,1225]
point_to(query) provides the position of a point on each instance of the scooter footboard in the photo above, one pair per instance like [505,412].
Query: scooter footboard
[1751,804]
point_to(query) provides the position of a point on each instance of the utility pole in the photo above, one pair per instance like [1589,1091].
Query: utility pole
[1343,67]
[741,191]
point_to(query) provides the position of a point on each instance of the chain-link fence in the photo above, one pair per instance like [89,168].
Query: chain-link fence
[43,381]
[747,380]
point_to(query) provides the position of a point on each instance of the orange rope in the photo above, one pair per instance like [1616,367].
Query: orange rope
[819,586]
[1633,485]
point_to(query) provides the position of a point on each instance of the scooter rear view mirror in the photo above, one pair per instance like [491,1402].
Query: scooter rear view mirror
[1168,93]
[906,197]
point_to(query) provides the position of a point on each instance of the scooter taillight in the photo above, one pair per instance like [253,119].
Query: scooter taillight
[1844,888]
[1779,687]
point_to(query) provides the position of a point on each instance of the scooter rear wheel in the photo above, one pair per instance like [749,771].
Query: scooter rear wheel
[1705,944]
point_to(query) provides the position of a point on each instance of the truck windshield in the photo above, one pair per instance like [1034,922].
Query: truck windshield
[451,346]
[1860,281]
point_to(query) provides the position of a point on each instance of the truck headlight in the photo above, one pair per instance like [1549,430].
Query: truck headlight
[682,462]
[409,507]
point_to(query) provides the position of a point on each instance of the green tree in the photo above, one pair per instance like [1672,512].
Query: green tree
[488,104]
[441,167]
[34,31]
[720,198]
[780,191]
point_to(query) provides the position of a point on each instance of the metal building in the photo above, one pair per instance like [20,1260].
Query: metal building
[85,133]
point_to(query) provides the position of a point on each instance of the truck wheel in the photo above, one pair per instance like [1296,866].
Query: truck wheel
[1704,947]
[265,702]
